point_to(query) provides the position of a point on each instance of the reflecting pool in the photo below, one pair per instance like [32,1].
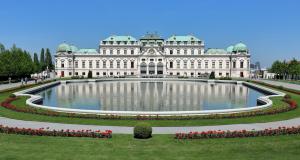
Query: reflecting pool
[150,96]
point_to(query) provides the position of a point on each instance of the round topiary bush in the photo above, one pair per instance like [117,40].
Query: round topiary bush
[142,131]
[287,96]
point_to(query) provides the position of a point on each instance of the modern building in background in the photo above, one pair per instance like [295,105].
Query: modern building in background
[152,56]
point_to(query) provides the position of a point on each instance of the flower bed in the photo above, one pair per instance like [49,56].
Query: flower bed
[61,133]
[7,104]
[238,134]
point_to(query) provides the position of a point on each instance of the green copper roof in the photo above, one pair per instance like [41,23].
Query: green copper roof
[216,51]
[230,49]
[64,47]
[153,36]
[73,48]
[120,38]
[87,51]
[183,38]
[240,47]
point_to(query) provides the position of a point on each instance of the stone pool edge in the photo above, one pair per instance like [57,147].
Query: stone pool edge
[265,100]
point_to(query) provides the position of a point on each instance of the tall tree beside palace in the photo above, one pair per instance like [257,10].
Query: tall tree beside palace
[36,63]
[42,60]
[15,63]
[286,70]
[48,60]
[2,48]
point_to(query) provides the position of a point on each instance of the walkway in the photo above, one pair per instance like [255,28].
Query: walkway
[17,84]
[156,130]
[283,84]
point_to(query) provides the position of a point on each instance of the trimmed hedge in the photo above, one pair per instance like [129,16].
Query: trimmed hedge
[142,131]
[238,133]
[61,133]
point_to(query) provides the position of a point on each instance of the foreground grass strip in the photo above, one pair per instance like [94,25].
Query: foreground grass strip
[22,147]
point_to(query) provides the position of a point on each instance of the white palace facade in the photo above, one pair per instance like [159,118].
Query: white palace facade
[152,56]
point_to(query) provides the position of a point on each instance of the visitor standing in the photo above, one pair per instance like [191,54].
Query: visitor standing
[9,80]
[22,81]
[25,80]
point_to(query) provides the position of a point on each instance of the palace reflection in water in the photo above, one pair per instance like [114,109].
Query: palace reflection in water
[150,96]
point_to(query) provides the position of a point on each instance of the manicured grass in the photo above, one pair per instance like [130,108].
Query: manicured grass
[165,147]
[200,122]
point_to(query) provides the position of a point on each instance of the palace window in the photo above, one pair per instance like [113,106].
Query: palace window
[111,64]
[132,51]
[125,64]
[111,51]
[192,65]
[90,64]
[192,51]
[220,64]
[206,64]
[171,64]
[83,64]
[199,64]
[104,64]
[97,64]
[118,51]
[76,64]
[185,51]
[233,64]
[104,51]
[242,64]
[132,65]
[178,64]
[62,64]
[213,64]
[185,64]
[125,51]
[178,51]
[227,64]
[70,63]
[118,64]
[171,51]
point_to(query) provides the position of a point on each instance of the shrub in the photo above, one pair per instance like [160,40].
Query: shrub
[142,131]
[212,75]
[287,96]
[12,96]
[90,74]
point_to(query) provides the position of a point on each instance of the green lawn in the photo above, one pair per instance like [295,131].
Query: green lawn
[200,122]
[20,147]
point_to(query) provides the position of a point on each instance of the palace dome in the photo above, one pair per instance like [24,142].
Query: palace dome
[73,48]
[240,47]
[230,49]
[64,47]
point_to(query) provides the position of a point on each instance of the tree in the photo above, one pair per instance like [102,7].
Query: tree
[293,68]
[42,60]
[36,63]
[212,75]
[2,48]
[90,74]
[48,60]
[15,63]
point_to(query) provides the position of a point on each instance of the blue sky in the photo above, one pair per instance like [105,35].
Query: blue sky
[270,28]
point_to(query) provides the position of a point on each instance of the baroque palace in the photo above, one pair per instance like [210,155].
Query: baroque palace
[152,56]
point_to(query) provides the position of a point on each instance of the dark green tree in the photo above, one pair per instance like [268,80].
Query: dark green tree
[42,60]
[48,60]
[36,63]
[2,48]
